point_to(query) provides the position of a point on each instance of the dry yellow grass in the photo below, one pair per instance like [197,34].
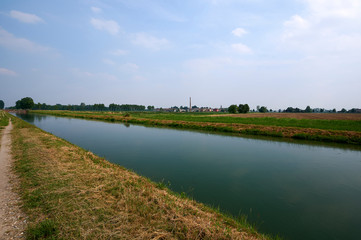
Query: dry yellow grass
[70,193]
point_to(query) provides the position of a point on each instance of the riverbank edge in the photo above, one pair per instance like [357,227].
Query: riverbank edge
[309,134]
[48,201]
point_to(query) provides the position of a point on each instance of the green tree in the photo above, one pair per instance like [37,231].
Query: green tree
[263,109]
[243,108]
[82,106]
[308,109]
[25,103]
[2,104]
[232,108]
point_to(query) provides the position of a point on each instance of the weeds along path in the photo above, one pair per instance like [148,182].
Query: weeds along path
[12,220]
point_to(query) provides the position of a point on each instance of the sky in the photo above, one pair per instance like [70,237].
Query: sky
[273,53]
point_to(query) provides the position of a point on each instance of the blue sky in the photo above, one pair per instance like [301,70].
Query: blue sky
[152,52]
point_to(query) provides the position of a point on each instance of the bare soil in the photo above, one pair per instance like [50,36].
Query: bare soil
[12,220]
[325,116]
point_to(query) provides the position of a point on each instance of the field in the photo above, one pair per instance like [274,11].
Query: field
[69,193]
[343,128]
[323,116]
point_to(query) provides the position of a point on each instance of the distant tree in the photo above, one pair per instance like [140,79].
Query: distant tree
[195,106]
[2,104]
[18,104]
[322,110]
[263,109]
[99,107]
[308,109]
[243,108]
[334,110]
[150,108]
[82,106]
[232,109]
[25,103]
[343,110]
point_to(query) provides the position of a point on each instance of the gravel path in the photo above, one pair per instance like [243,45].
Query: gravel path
[12,220]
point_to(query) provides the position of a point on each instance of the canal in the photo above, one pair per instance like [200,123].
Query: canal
[293,189]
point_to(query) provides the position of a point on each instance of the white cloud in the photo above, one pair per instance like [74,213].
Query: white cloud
[25,17]
[149,41]
[96,10]
[335,8]
[7,72]
[295,26]
[8,40]
[118,52]
[239,32]
[241,48]
[327,27]
[108,25]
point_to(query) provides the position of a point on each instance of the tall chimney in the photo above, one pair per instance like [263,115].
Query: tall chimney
[190,104]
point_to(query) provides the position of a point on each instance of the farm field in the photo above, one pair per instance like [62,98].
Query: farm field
[323,116]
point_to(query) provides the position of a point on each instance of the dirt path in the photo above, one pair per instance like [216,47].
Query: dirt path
[12,220]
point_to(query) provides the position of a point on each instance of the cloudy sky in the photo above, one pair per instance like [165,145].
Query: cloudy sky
[276,53]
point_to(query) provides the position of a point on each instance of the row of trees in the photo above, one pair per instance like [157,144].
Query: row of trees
[2,104]
[244,108]
[28,103]
[241,108]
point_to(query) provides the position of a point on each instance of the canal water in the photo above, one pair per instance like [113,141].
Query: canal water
[295,190]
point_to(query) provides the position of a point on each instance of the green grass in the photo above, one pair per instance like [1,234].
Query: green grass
[342,125]
[348,125]
[4,119]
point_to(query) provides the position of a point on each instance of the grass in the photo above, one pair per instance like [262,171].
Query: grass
[338,131]
[4,121]
[70,193]
[347,125]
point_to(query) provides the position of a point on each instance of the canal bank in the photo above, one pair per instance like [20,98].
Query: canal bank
[70,193]
[337,131]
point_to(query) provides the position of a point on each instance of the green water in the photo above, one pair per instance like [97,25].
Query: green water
[298,191]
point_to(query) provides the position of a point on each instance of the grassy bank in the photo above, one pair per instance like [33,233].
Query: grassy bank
[69,193]
[4,121]
[339,131]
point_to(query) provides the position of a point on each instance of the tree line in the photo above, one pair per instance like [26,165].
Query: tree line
[244,108]
[28,103]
